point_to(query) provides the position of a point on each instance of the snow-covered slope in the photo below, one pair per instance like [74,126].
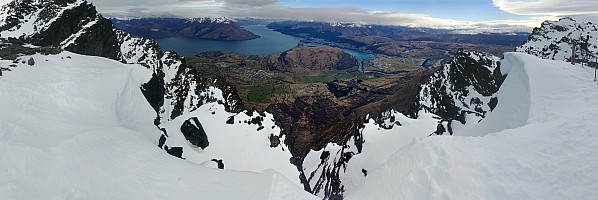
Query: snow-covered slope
[556,39]
[539,143]
[174,91]
[78,127]
[337,169]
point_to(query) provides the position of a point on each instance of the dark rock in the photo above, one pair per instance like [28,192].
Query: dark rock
[194,133]
[164,131]
[219,162]
[274,140]
[175,151]
[161,141]
[154,92]
[231,120]
[99,40]
[453,80]
[31,61]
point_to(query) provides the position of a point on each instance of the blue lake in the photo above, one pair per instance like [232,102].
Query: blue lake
[270,42]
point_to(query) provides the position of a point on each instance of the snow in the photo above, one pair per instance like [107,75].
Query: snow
[80,128]
[217,20]
[240,145]
[74,37]
[539,143]
[379,144]
[31,23]
[555,39]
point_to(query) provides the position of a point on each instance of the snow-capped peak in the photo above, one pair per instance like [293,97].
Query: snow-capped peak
[349,25]
[24,18]
[557,39]
[218,20]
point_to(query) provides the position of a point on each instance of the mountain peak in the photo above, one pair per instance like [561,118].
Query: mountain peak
[557,40]
[218,20]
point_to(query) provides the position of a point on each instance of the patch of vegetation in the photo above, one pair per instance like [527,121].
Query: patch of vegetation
[264,93]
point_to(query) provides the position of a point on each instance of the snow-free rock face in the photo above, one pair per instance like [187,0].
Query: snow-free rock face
[194,133]
[556,40]
[463,89]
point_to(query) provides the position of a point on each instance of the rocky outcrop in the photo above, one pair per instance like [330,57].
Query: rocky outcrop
[203,28]
[557,40]
[315,58]
[465,86]
[194,133]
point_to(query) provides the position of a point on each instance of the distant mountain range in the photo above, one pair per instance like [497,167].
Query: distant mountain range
[222,29]
[399,40]
[96,122]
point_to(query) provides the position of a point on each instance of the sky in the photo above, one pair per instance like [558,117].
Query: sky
[457,14]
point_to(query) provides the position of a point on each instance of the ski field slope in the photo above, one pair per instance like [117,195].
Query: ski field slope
[78,127]
[539,143]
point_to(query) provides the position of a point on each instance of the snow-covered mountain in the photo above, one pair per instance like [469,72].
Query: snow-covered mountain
[463,89]
[538,143]
[556,40]
[97,122]
[203,28]
[461,93]
[193,118]
[79,127]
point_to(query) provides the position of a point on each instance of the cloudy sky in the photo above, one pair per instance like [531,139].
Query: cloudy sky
[483,14]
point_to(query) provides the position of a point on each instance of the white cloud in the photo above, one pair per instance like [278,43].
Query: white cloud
[268,9]
[549,8]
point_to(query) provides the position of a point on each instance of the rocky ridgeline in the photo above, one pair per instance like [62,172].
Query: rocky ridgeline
[556,40]
[76,26]
[465,86]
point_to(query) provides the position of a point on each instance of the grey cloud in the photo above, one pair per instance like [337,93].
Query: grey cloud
[267,9]
[249,2]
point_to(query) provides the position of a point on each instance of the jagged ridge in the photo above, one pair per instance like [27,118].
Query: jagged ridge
[76,26]
[556,40]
